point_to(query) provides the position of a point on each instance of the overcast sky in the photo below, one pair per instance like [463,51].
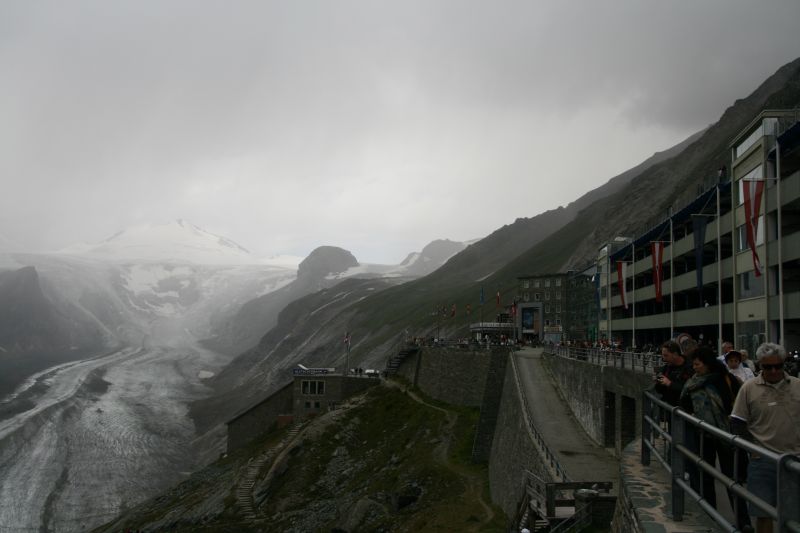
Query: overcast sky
[374,126]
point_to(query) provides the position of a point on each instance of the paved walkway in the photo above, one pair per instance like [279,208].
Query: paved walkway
[578,454]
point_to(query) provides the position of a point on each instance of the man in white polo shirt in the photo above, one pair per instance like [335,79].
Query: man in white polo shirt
[768,408]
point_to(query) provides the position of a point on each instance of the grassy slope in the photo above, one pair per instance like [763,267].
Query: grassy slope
[384,448]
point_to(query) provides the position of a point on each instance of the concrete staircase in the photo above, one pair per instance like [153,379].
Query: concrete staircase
[245,499]
[396,360]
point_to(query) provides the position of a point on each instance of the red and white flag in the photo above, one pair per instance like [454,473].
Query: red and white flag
[753,189]
[621,270]
[657,252]
[347,339]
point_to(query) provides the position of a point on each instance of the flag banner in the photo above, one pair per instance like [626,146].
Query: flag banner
[753,189]
[347,339]
[699,224]
[657,253]
[482,299]
[498,299]
[514,309]
[622,268]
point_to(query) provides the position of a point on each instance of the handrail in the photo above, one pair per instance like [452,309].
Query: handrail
[786,512]
[537,437]
[643,362]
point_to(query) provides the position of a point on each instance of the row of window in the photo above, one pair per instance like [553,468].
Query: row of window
[537,283]
[537,296]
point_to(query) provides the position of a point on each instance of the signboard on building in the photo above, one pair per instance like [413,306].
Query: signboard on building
[312,371]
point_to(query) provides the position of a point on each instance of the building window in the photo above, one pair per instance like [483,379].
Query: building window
[741,235]
[558,282]
[307,404]
[558,295]
[547,322]
[558,321]
[537,296]
[558,308]
[313,388]
[526,296]
[536,284]
[750,286]
[547,308]
[547,282]
[526,284]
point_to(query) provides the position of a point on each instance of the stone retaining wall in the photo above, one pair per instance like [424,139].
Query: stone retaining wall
[260,418]
[606,401]
[513,451]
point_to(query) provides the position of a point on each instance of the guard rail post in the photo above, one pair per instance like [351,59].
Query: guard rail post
[647,409]
[788,488]
[678,434]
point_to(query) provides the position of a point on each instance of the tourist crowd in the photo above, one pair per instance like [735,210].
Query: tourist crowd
[758,400]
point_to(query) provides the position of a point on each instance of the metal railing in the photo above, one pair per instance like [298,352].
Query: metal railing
[667,427]
[538,439]
[646,363]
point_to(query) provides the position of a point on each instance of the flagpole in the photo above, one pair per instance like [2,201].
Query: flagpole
[719,273]
[608,296]
[781,336]
[633,295]
[671,278]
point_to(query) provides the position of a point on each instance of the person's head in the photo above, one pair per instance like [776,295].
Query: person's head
[733,359]
[704,361]
[727,346]
[671,353]
[688,347]
[745,355]
[770,358]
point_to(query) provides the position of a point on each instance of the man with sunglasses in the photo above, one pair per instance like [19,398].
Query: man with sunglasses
[768,409]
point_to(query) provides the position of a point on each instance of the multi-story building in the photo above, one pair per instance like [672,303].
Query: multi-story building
[729,261]
[541,309]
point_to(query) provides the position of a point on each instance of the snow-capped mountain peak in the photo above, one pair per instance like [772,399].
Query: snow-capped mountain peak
[178,241]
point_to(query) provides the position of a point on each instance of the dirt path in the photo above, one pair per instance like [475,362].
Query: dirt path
[473,483]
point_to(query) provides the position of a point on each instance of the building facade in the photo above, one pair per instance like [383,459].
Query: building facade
[724,267]
[542,307]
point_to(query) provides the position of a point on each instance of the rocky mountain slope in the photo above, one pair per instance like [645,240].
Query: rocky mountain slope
[551,242]
[386,461]
[37,330]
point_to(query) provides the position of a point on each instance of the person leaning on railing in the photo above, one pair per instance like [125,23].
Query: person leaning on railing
[767,411]
[709,395]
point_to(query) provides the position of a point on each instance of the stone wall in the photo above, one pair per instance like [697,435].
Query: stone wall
[606,401]
[259,419]
[455,375]
[490,405]
[513,451]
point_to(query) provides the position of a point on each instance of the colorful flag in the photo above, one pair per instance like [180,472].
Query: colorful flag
[514,309]
[347,339]
[498,298]
[657,252]
[621,271]
[699,224]
[753,189]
